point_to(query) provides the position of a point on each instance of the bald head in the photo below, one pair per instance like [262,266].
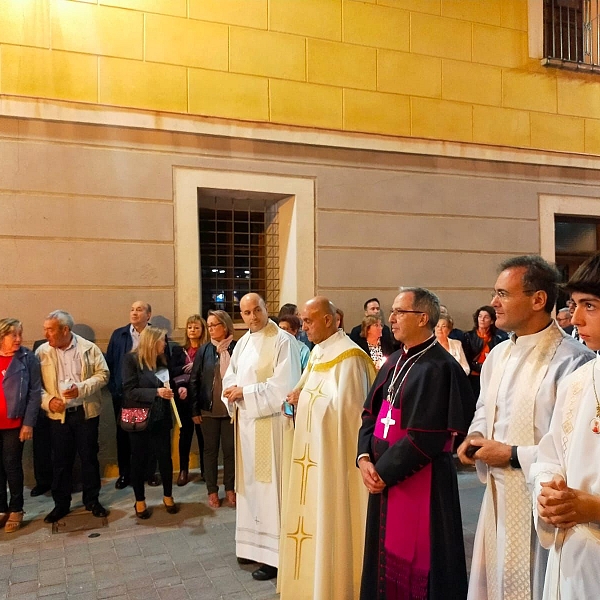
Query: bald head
[254,312]
[318,319]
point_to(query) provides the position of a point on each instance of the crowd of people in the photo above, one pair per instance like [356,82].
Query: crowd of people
[308,418]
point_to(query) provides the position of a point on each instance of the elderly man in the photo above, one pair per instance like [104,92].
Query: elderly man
[563,319]
[518,392]
[73,373]
[322,467]
[124,340]
[264,367]
[421,397]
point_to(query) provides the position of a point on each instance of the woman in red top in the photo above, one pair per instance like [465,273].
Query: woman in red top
[20,398]
[478,342]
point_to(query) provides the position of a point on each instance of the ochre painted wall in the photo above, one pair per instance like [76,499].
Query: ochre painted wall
[444,69]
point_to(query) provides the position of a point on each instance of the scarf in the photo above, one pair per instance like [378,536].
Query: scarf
[222,351]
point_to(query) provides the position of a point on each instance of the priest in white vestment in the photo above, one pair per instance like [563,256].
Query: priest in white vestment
[324,511]
[566,477]
[518,393]
[264,367]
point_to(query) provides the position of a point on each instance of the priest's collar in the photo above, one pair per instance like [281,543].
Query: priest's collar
[414,349]
[529,340]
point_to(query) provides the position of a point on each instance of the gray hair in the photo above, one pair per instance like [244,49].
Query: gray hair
[563,310]
[425,301]
[63,317]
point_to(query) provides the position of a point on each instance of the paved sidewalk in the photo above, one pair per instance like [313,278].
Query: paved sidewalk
[190,555]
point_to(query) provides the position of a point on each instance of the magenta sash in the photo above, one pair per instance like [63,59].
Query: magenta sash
[406,523]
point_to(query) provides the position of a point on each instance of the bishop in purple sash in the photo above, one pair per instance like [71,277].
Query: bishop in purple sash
[421,398]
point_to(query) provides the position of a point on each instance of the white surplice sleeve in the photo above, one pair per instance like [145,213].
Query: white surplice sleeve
[549,463]
[265,398]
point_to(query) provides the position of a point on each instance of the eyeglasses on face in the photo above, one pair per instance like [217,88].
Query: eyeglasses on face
[215,325]
[398,312]
[503,294]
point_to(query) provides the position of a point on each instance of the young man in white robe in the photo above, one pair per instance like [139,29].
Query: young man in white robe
[264,368]
[518,393]
[566,477]
[325,504]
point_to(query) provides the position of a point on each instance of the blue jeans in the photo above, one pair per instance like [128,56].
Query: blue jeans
[11,470]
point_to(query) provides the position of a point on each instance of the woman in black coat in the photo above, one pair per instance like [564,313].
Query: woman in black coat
[145,385]
[208,410]
[478,343]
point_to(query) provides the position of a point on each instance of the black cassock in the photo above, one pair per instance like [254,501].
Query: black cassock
[435,400]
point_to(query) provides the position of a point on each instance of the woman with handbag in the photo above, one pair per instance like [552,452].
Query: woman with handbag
[20,398]
[147,393]
[196,335]
[205,392]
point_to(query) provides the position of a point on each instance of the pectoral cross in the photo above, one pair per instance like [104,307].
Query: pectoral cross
[387,422]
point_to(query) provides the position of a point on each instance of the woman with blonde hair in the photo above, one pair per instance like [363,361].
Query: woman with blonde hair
[20,398]
[146,385]
[208,410]
[182,359]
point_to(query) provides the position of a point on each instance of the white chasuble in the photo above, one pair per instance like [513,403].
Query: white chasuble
[325,505]
[518,394]
[571,449]
[266,364]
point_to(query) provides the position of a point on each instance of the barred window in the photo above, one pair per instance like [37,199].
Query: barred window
[572,33]
[238,252]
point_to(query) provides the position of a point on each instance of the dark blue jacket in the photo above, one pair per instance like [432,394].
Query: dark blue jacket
[22,387]
[119,345]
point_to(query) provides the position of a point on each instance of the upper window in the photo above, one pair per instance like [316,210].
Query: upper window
[572,33]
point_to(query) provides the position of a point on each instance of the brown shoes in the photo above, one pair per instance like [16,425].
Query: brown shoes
[15,519]
[229,499]
[213,500]
[183,478]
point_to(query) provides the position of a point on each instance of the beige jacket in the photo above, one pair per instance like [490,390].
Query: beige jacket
[94,376]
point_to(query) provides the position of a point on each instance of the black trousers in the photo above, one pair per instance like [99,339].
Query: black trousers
[155,440]
[76,435]
[42,455]
[124,447]
[11,470]
[186,435]
[218,431]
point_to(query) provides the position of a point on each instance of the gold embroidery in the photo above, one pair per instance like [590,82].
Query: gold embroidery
[314,394]
[305,463]
[326,366]
[299,536]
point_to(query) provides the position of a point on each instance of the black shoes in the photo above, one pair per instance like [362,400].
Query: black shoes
[97,509]
[172,509]
[38,490]
[58,512]
[264,573]
[154,481]
[121,483]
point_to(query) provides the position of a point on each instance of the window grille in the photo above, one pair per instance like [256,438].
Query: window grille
[572,34]
[239,253]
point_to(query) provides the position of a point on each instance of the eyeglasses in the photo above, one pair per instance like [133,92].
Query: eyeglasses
[215,325]
[398,312]
[503,294]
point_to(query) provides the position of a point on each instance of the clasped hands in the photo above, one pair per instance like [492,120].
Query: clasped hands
[564,507]
[491,452]
[370,477]
[58,405]
[233,393]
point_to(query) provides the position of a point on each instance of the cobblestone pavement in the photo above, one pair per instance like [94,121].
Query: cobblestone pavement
[190,555]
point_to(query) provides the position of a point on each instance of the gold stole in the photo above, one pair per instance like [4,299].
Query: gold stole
[517,557]
[263,432]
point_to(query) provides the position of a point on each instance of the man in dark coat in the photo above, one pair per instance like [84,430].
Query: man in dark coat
[123,340]
[414,542]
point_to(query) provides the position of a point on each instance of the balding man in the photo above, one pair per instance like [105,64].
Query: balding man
[264,367]
[325,503]
[124,340]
